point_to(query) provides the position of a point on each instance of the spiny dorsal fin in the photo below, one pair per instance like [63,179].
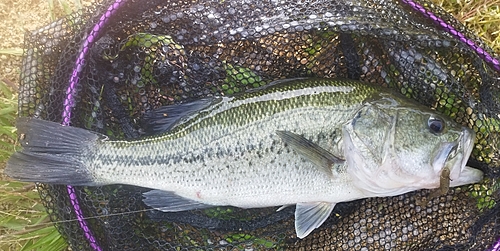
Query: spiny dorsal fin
[167,117]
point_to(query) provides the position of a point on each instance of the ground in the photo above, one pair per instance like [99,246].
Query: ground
[19,17]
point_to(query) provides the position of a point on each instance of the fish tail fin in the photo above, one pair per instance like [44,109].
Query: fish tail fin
[52,153]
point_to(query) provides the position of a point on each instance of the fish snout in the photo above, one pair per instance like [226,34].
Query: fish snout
[461,174]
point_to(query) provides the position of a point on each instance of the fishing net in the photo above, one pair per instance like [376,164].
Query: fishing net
[104,68]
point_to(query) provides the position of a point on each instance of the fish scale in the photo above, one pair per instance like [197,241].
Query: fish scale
[245,125]
[261,134]
[308,142]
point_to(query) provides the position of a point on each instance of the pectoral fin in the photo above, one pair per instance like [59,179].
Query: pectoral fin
[170,202]
[311,151]
[309,216]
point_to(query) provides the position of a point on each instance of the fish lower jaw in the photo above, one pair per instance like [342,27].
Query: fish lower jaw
[467,175]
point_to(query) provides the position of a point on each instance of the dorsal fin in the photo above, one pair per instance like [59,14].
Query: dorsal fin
[167,117]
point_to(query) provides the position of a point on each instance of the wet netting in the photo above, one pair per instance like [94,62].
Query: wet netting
[104,68]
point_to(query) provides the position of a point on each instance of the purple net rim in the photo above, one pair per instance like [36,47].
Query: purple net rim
[496,246]
[69,104]
[495,63]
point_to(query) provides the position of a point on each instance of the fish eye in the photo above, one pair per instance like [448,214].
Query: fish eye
[436,125]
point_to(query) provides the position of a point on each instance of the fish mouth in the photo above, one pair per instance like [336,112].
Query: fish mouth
[454,156]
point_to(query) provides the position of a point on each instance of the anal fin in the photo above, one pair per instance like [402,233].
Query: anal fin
[309,216]
[167,201]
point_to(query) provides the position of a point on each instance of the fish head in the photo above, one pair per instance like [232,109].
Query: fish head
[393,146]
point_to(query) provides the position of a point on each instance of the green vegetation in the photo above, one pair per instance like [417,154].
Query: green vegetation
[63,8]
[482,16]
[483,193]
[24,222]
[12,51]
[246,238]
[238,78]
[8,109]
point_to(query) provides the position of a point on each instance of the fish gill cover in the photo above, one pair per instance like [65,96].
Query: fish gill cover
[104,68]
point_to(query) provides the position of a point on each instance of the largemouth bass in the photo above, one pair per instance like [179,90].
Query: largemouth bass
[305,142]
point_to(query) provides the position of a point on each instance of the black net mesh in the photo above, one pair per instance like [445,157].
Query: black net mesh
[102,69]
